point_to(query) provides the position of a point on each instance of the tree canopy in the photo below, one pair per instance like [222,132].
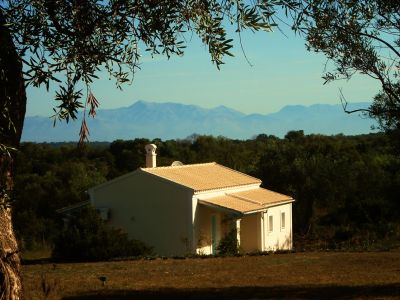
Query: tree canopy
[68,42]
[345,186]
[358,37]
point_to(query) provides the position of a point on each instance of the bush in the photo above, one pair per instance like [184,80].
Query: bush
[228,244]
[86,237]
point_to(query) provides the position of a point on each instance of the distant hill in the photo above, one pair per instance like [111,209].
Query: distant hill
[173,120]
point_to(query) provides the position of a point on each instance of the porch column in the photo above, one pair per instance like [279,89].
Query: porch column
[238,232]
[262,221]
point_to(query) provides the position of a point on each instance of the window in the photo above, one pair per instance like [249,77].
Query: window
[283,220]
[104,213]
[270,223]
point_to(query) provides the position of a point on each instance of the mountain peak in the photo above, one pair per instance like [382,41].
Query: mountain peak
[171,120]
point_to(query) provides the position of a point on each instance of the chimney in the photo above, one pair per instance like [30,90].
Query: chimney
[150,155]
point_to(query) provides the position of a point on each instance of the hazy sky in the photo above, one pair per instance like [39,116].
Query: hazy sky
[283,73]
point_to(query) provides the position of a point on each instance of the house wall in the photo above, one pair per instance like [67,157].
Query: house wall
[149,209]
[279,238]
[250,233]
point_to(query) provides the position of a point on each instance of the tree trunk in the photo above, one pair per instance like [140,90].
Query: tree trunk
[12,113]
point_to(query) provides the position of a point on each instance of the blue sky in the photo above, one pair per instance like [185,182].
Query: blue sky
[283,73]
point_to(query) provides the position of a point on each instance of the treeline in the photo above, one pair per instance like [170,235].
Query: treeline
[346,188]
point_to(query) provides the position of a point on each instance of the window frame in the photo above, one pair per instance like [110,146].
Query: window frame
[270,223]
[283,220]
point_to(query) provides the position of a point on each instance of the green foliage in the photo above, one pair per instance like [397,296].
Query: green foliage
[67,43]
[128,155]
[387,109]
[47,179]
[345,187]
[86,237]
[357,36]
[228,245]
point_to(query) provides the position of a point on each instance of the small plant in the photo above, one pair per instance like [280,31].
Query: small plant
[48,287]
[103,280]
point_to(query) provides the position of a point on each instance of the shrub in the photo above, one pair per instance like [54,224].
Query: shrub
[86,237]
[228,244]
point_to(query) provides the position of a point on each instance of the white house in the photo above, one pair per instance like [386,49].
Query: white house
[183,209]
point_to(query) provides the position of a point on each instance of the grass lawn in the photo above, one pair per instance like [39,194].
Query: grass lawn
[312,275]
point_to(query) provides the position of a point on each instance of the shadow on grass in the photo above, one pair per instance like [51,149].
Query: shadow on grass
[277,292]
[36,261]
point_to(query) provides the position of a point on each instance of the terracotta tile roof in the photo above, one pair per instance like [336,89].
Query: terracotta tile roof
[232,203]
[202,177]
[247,201]
[261,196]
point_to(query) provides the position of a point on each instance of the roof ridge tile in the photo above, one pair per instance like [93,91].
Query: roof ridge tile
[180,167]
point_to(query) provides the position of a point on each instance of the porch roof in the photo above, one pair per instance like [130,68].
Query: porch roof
[249,201]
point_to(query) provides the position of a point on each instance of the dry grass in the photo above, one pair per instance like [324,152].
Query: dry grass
[290,276]
[42,253]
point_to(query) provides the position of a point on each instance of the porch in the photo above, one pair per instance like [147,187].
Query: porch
[261,221]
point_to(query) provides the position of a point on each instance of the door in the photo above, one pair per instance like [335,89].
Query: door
[268,231]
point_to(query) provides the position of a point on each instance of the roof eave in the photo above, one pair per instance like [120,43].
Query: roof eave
[221,207]
[249,212]
[282,202]
[265,207]
[72,207]
[227,188]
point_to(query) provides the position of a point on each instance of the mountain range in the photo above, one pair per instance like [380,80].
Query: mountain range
[176,121]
